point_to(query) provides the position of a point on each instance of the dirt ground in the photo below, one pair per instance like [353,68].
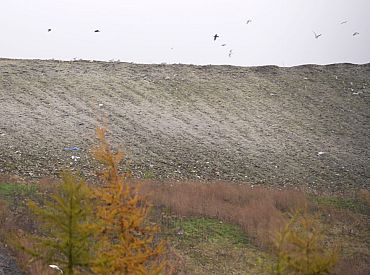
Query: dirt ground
[307,125]
[8,265]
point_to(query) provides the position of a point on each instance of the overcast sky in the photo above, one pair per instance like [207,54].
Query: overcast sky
[181,31]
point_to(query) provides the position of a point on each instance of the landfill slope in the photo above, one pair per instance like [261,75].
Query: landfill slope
[307,125]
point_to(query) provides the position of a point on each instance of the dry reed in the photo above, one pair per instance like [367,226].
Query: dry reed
[257,210]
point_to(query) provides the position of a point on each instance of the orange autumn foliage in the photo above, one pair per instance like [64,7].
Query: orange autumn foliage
[126,242]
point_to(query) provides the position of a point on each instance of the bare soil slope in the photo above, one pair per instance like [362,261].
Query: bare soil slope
[258,124]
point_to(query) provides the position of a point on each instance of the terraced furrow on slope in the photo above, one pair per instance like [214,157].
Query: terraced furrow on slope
[260,124]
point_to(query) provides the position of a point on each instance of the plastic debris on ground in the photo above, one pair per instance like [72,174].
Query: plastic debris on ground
[72,149]
[75,158]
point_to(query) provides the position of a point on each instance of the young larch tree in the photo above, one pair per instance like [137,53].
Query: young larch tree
[127,243]
[68,225]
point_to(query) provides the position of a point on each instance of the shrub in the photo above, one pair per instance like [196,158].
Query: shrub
[300,250]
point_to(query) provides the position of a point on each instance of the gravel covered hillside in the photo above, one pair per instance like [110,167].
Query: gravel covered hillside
[305,125]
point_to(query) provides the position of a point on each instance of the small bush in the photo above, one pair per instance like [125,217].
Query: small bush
[300,248]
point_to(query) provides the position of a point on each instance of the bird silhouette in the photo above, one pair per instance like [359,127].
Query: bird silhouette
[215,37]
[343,22]
[249,21]
[96,31]
[355,33]
[317,35]
[49,30]
[230,53]
[223,45]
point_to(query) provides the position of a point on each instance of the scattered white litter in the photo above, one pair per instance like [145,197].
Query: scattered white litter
[56,267]
[320,153]
[100,104]
[75,158]
[2,134]
[336,77]
[351,83]
[356,93]
[305,78]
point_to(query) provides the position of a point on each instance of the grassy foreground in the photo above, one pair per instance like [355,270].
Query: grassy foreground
[216,227]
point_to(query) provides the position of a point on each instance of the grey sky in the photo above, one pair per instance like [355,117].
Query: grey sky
[181,31]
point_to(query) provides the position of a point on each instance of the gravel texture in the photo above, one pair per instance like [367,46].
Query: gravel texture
[307,125]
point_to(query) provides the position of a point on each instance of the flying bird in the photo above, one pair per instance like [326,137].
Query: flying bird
[317,35]
[343,22]
[230,53]
[215,37]
[355,33]
[49,30]
[96,31]
[223,45]
[249,21]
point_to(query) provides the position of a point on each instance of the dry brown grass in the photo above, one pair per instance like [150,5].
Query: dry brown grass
[11,178]
[364,196]
[7,221]
[25,261]
[258,210]
[13,237]
[356,265]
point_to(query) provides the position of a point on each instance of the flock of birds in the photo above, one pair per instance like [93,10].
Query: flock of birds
[250,21]
[49,30]
[317,35]
[224,44]
[343,22]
